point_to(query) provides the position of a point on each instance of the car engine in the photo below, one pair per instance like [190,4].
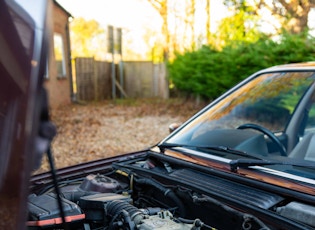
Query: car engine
[103,202]
[152,193]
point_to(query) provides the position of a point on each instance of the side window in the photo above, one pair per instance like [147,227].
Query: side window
[308,114]
[59,55]
[310,124]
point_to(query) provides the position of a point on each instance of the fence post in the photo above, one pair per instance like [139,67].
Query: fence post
[95,76]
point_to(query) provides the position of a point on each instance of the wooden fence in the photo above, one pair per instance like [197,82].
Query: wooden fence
[140,79]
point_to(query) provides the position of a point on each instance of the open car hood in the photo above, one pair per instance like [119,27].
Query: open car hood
[23,104]
[159,191]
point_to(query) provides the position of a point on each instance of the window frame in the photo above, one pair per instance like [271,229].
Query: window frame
[59,51]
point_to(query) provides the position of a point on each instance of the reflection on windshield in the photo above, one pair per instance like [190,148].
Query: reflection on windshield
[269,100]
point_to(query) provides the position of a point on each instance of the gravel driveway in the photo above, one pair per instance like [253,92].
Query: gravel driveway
[97,130]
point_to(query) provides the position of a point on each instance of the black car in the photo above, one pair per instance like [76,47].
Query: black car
[246,161]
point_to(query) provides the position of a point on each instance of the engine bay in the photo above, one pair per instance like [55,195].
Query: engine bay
[157,192]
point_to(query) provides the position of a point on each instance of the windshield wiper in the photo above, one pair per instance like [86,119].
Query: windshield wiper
[239,163]
[164,146]
[224,149]
[229,150]
[245,163]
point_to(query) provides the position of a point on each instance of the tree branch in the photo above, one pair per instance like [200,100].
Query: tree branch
[156,4]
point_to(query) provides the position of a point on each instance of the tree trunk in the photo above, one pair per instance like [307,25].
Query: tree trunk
[162,7]
[293,13]
[208,28]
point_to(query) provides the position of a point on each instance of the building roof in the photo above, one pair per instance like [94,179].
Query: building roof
[61,7]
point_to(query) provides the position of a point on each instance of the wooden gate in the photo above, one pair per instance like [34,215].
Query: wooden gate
[141,79]
[92,79]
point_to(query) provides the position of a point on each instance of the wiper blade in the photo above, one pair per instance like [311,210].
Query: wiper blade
[207,147]
[228,150]
[164,146]
[219,148]
[245,163]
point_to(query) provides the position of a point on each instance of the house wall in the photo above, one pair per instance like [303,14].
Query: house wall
[58,87]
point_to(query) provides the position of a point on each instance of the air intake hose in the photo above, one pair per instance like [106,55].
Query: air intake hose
[167,193]
[116,207]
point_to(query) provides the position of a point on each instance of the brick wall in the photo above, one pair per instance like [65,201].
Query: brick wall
[59,87]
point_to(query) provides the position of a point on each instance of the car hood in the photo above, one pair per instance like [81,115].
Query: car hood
[24,28]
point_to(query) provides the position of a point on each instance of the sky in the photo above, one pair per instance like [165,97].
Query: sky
[119,13]
[125,13]
[135,17]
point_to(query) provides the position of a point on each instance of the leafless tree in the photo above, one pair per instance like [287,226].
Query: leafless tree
[208,22]
[292,14]
[162,7]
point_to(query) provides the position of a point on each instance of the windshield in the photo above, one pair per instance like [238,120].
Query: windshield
[276,108]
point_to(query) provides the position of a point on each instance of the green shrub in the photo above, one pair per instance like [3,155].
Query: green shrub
[208,72]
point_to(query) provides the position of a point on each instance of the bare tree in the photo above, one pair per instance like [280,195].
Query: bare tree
[292,14]
[190,21]
[162,7]
[208,22]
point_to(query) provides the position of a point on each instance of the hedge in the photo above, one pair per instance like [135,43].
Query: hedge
[208,72]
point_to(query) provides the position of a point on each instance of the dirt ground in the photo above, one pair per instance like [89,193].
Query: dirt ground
[96,130]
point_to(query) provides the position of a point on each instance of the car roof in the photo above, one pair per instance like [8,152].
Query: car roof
[292,66]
